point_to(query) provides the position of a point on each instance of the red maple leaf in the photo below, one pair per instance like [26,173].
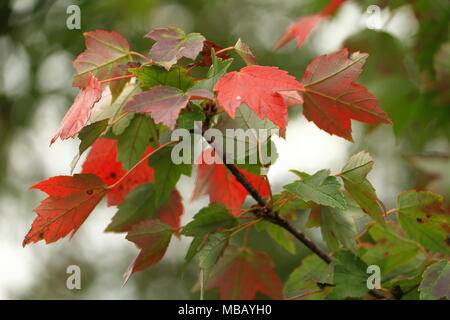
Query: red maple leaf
[304,26]
[221,186]
[241,272]
[152,237]
[80,111]
[102,161]
[332,98]
[105,50]
[259,88]
[164,103]
[71,200]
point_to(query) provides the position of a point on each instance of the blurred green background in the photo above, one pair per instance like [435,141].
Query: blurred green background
[408,70]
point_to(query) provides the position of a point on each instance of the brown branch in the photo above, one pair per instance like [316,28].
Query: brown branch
[268,214]
[265,211]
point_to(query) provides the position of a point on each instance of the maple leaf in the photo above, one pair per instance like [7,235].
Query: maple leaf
[71,199]
[301,29]
[217,70]
[354,176]
[221,186]
[254,143]
[307,275]
[320,188]
[209,220]
[423,218]
[164,103]
[172,44]
[332,98]
[105,51]
[80,111]
[140,205]
[102,161]
[167,174]
[153,238]
[134,140]
[242,272]
[259,88]
[243,50]
[433,282]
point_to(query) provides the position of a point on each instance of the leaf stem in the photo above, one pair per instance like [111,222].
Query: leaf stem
[391,211]
[141,56]
[117,78]
[267,212]
[303,295]
[266,178]
[274,217]
[115,184]
[123,115]
[224,50]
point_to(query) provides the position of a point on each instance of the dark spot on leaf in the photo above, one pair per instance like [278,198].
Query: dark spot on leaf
[41,235]
[323,285]
[90,191]
[113,175]
[419,220]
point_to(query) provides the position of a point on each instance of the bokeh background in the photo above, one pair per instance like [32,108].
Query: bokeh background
[408,70]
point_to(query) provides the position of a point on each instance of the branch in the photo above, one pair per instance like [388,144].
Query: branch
[267,213]
[272,216]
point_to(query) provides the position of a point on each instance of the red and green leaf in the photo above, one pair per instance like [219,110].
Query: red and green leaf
[332,98]
[152,237]
[105,51]
[164,103]
[215,181]
[102,161]
[424,219]
[172,44]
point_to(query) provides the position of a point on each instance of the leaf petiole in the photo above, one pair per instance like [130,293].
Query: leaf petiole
[225,49]
[141,56]
[117,78]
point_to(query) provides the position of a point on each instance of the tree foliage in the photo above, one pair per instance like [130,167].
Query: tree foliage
[129,162]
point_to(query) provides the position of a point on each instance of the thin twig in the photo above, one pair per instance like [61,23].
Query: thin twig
[274,218]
